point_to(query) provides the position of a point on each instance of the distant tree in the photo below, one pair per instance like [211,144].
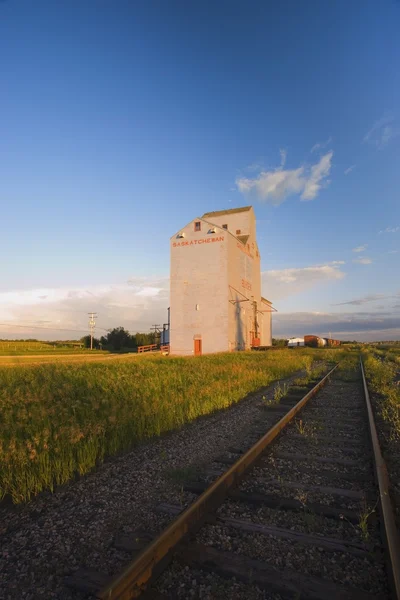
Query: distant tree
[144,339]
[118,338]
[279,342]
[86,342]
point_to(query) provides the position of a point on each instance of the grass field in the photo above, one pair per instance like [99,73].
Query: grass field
[382,368]
[57,420]
[76,358]
[22,348]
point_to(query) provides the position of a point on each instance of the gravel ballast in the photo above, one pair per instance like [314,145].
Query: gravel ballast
[330,413]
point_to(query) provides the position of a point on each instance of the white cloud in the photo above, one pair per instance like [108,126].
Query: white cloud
[318,173]
[286,282]
[382,132]
[349,169]
[363,260]
[360,248]
[390,230]
[135,305]
[276,185]
[337,262]
[321,145]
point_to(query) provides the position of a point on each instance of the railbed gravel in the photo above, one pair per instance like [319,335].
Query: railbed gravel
[366,573]
[301,521]
[55,534]
[291,472]
[282,554]
[180,581]
[266,486]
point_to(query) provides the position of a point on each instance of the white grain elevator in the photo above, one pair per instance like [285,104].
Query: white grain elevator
[216,303]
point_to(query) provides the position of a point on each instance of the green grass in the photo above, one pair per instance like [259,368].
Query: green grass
[382,373]
[21,348]
[58,420]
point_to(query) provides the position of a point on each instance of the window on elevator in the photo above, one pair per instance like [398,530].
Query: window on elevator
[197,226]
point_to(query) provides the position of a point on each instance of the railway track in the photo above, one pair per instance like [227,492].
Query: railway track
[307,516]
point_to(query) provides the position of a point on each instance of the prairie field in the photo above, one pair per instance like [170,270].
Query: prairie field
[58,357]
[25,348]
[59,420]
[382,369]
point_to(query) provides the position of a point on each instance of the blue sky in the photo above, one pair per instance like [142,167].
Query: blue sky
[121,121]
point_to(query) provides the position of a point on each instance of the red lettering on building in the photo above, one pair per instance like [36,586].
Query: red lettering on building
[201,241]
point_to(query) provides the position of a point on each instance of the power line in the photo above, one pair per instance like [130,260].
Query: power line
[39,327]
[10,324]
[47,328]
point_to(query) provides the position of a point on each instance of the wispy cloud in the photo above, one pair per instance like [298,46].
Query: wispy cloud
[276,185]
[256,166]
[360,248]
[349,169]
[364,300]
[286,282]
[363,260]
[393,252]
[321,145]
[390,230]
[382,131]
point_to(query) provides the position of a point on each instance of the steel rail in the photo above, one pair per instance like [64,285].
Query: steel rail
[136,576]
[382,477]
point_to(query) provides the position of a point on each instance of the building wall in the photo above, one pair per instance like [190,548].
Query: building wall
[265,320]
[239,273]
[244,288]
[199,290]
[243,221]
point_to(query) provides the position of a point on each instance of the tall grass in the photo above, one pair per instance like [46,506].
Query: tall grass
[57,420]
[381,373]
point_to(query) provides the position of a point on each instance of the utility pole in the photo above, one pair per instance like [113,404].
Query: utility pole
[92,325]
[156,331]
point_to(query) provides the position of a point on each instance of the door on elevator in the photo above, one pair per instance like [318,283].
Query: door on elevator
[197,347]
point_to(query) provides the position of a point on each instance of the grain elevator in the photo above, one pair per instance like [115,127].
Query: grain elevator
[216,303]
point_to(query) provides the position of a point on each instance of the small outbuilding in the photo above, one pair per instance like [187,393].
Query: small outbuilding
[294,342]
